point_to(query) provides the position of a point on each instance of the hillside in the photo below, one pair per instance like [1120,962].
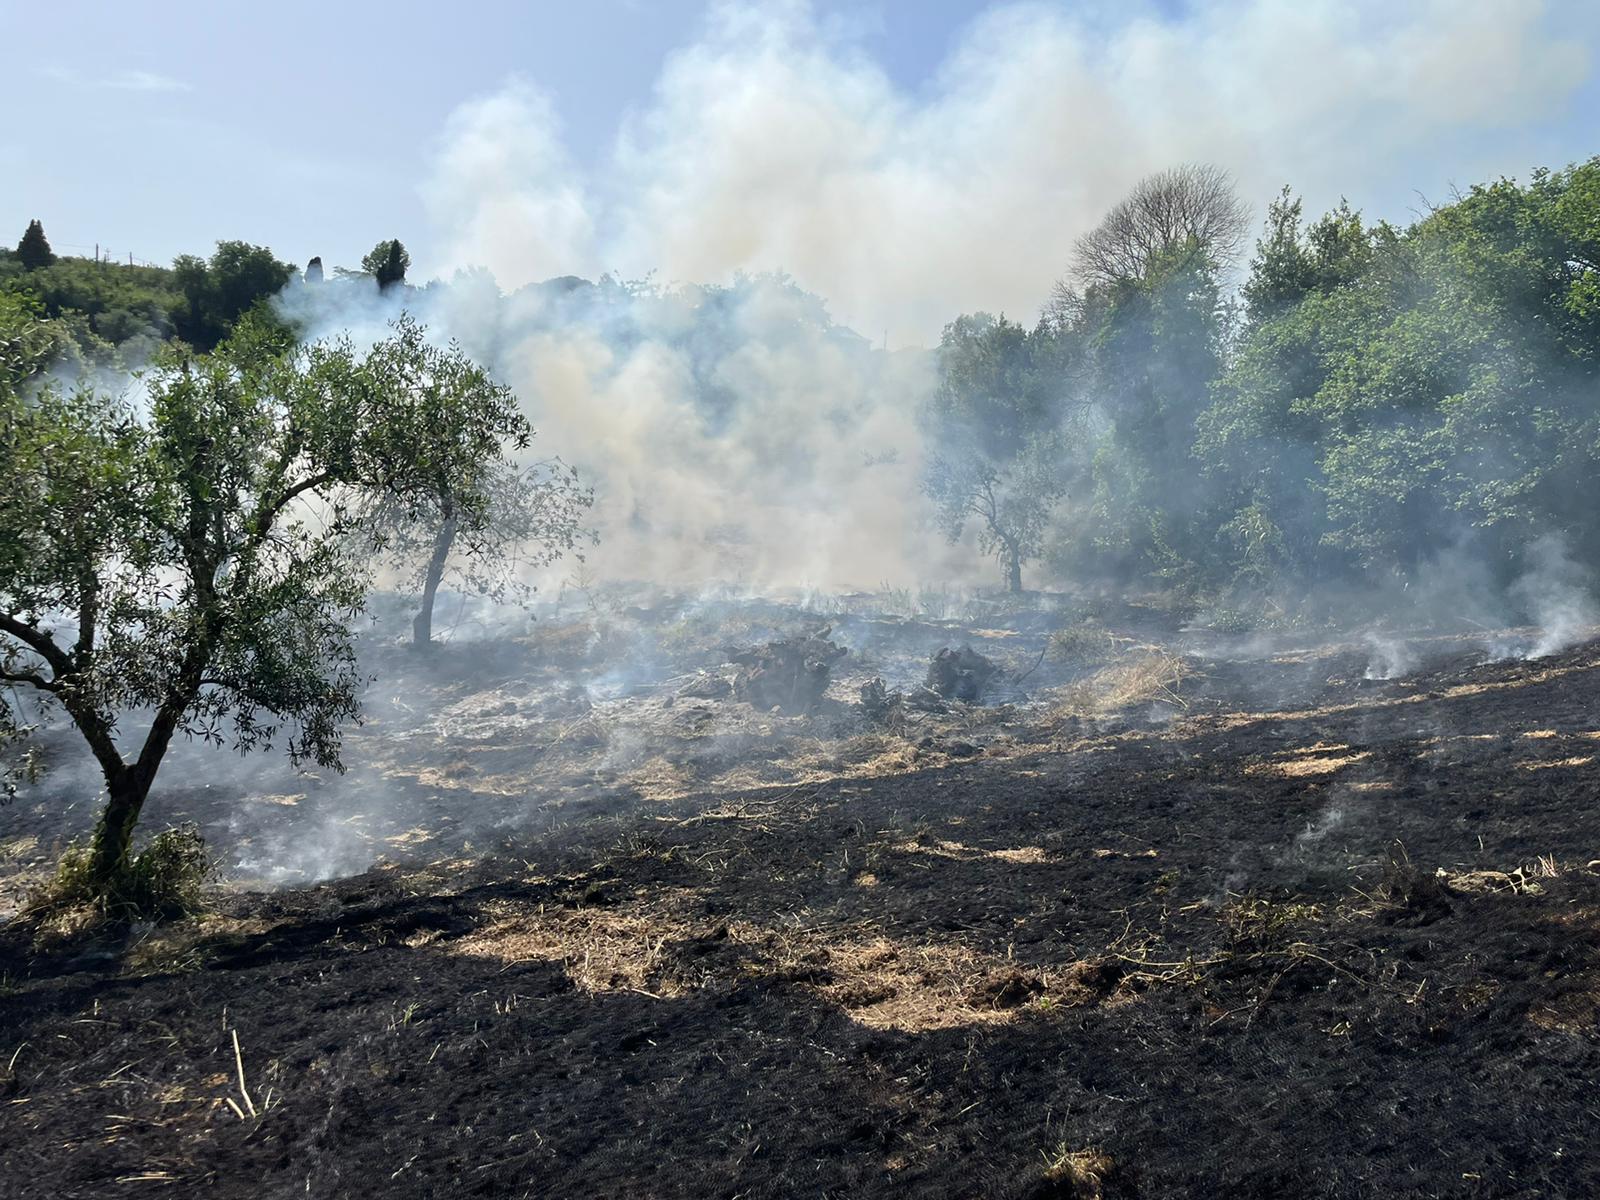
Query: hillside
[1303,933]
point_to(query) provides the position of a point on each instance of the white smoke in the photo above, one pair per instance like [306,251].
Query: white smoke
[1557,595]
[732,435]
[1388,657]
[773,142]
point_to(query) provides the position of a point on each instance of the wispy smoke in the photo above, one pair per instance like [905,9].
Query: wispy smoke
[1556,593]
[1390,657]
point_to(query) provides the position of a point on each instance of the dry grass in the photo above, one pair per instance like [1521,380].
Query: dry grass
[1307,764]
[1085,645]
[885,984]
[1147,675]
[1078,1174]
[601,949]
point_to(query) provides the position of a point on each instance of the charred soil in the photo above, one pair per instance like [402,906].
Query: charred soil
[1339,941]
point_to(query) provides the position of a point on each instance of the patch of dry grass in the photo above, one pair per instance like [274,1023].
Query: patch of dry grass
[1078,1174]
[1146,675]
[1306,765]
[601,949]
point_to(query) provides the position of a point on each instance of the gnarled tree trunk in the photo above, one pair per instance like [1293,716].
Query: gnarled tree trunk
[127,786]
[1014,570]
[422,623]
[113,834]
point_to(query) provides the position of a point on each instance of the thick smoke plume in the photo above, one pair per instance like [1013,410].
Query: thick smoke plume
[734,435]
[774,143]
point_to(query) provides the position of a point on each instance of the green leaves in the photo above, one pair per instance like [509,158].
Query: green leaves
[1423,383]
[196,559]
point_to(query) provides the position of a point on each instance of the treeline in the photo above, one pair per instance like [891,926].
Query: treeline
[1348,403]
[100,313]
[1369,398]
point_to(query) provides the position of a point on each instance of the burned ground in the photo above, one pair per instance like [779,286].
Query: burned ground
[1301,934]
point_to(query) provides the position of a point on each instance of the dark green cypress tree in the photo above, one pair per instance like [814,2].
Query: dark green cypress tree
[33,251]
[394,266]
[387,263]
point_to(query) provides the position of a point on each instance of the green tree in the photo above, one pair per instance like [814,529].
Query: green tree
[1153,346]
[190,566]
[217,293]
[1397,392]
[472,510]
[995,421]
[241,275]
[387,262]
[1011,503]
[1291,262]
[26,343]
[33,251]
[193,280]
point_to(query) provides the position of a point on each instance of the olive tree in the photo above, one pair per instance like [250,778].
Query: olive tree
[1011,502]
[184,564]
[484,517]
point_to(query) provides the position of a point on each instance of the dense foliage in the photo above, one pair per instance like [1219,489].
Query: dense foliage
[117,314]
[387,262]
[192,563]
[1374,398]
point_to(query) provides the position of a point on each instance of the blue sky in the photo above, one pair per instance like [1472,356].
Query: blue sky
[541,138]
[160,127]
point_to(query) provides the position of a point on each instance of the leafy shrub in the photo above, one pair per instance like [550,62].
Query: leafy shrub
[163,881]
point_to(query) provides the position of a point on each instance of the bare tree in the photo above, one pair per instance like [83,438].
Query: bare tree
[1189,203]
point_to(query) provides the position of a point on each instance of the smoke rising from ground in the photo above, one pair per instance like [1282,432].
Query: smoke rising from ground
[774,143]
[733,435]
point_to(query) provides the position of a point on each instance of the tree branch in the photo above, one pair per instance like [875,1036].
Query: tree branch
[261,522]
[88,617]
[40,643]
[31,678]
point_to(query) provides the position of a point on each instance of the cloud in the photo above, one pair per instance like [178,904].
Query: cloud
[120,81]
[774,142]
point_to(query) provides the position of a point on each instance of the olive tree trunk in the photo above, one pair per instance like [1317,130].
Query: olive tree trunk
[128,784]
[422,623]
[112,842]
